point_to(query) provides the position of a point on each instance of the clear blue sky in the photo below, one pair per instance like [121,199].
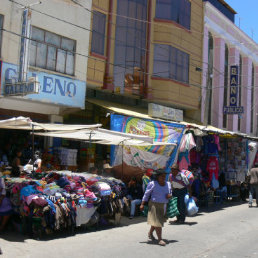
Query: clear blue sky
[247,11]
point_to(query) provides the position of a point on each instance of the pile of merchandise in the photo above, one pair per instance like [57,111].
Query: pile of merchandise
[64,200]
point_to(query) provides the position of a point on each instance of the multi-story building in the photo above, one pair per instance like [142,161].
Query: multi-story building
[226,45]
[58,53]
[147,51]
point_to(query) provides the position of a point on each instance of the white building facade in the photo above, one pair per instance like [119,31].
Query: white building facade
[226,45]
[58,60]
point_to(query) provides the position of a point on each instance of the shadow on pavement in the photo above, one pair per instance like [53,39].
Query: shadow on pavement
[185,223]
[155,242]
[220,206]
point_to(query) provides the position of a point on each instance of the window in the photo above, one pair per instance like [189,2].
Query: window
[1,26]
[130,39]
[225,85]
[252,101]
[51,51]
[98,33]
[176,10]
[171,63]
[240,91]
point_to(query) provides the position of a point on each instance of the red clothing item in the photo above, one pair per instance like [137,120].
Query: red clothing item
[213,167]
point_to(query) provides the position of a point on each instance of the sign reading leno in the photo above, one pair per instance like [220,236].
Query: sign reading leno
[53,89]
[233,96]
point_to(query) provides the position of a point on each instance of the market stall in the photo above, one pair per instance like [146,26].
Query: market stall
[62,200]
[219,160]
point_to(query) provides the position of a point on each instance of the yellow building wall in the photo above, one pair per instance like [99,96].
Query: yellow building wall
[171,92]
[167,92]
[96,63]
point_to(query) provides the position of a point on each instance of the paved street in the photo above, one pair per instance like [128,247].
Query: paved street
[228,232]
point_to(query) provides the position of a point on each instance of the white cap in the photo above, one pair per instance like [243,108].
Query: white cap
[106,166]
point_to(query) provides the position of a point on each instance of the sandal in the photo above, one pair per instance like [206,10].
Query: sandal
[151,237]
[162,243]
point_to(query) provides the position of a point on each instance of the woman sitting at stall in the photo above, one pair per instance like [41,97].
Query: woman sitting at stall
[5,205]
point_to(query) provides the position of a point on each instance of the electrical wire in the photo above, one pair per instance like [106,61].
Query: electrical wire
[81,27]
[33,9]
[124,67]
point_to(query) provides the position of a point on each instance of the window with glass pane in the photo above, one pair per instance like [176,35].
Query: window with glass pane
[1,26]
[51,51]
[130,39]
[98,33]
[174,10]
[171,63]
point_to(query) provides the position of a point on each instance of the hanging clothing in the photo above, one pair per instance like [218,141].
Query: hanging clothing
[199,144]
[216,140]
[195,156]
[187,142]
[213,167]
[184,160]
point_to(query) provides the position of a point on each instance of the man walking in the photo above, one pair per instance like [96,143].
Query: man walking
[180,187]
[253,174]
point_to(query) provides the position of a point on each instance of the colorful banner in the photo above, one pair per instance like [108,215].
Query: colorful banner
[151,156]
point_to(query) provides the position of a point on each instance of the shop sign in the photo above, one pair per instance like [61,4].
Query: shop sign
[53,89]
[233,95]
[22,88]
[168,113]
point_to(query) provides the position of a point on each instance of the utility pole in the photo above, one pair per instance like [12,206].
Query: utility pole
[208,96]
[25,42]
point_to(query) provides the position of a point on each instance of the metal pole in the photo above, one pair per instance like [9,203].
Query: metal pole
[122,161]
[33,148]
[207,100]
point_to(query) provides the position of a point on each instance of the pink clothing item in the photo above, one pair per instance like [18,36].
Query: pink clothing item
[187,142]
[216,140]
[183,164]
[213,167]
[29,198]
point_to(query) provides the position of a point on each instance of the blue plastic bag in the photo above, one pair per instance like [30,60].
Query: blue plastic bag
[186,199]
[214,182]
[191,207]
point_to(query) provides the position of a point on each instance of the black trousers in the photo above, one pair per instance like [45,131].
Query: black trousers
[180,194]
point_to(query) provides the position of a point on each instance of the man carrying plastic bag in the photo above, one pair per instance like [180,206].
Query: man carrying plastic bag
[181,182]
[191,206]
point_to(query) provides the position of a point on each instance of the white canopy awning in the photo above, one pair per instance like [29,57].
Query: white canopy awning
[91,133]
[25,123]
[103,136]
[16,122]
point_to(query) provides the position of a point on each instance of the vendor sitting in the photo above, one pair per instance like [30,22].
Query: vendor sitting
[222,190]
[5,205]
[135,194]
[107,170]
[37,161]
